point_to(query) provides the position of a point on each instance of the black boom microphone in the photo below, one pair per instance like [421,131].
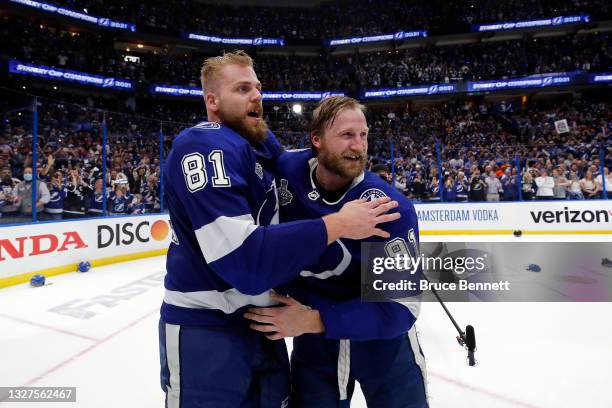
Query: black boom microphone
[470,344]
[467,338]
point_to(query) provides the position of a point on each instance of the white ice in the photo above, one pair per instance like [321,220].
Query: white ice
[530,354]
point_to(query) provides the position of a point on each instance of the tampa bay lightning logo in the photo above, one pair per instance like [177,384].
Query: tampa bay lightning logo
[432,89]
[108,82]
[105,22]
[325,95]
[257,41]
[557,20]
[208,125]
[398,36]
[372,194]
[547,81]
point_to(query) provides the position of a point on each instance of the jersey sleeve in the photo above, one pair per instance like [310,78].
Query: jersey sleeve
[355,319]
[213,183]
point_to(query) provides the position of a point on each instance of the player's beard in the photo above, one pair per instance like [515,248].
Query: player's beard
[239,123]
[338,165]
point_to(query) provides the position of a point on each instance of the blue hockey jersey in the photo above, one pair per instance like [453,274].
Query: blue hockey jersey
[333,284]
[118,205]
[56,202]
[226,253]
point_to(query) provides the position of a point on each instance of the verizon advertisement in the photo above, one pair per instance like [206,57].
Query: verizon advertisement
[564,215]
[35,247]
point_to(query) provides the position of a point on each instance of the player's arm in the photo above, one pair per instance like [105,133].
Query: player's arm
[212,186]
[352,319]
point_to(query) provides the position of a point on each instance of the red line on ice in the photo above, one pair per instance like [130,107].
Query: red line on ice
[88,349]
[481,390]
[45,326]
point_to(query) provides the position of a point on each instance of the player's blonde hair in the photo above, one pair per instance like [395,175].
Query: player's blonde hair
[213,65]
[328,109]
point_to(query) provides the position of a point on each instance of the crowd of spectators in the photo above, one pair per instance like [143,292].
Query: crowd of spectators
[69,176]
[497,152]
[456,151]
[329,19]
[95,53]
[60,47]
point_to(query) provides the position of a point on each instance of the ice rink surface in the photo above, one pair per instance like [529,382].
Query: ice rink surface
[97,331]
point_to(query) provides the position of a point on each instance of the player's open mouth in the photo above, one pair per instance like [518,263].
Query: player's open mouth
[353,157]
[253,114]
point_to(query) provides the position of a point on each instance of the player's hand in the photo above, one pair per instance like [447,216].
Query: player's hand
[359,219]
[290,320]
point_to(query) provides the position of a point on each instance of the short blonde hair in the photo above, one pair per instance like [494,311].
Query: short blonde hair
[213,65]
[328,109]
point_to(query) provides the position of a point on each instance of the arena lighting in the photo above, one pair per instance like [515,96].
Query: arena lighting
[399,36]
[256,42]
[58,74]
[76,15]
[542,22]
[297,108]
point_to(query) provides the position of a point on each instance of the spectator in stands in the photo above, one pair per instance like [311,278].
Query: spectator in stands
[78,194]
[575,188]
[382,170]
[55,207]
[136,206]
[140,175]
[150,195]
[7,186]
[494,186]
[23,193]
[509,187]
[608,180]
[589,186]
[96,204]
[477,186]
[433,190]
[6,151]
[561,185]
[448,189]
[545,185]
[461,188]
[529,186]
[119,200]
[417,188]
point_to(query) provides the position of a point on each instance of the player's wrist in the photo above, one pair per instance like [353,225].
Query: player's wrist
[315,322]
[335,227]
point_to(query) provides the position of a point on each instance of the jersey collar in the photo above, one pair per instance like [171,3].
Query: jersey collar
[313,163]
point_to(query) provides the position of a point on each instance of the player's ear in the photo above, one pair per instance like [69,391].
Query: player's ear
[211,101]
[315,139]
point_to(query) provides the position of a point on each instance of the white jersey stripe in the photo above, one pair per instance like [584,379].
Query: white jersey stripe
[173,396]
[228,301]
[338,270]
[224,235]
[418,357]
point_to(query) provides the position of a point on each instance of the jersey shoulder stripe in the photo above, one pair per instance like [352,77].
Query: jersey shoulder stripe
[210,138]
